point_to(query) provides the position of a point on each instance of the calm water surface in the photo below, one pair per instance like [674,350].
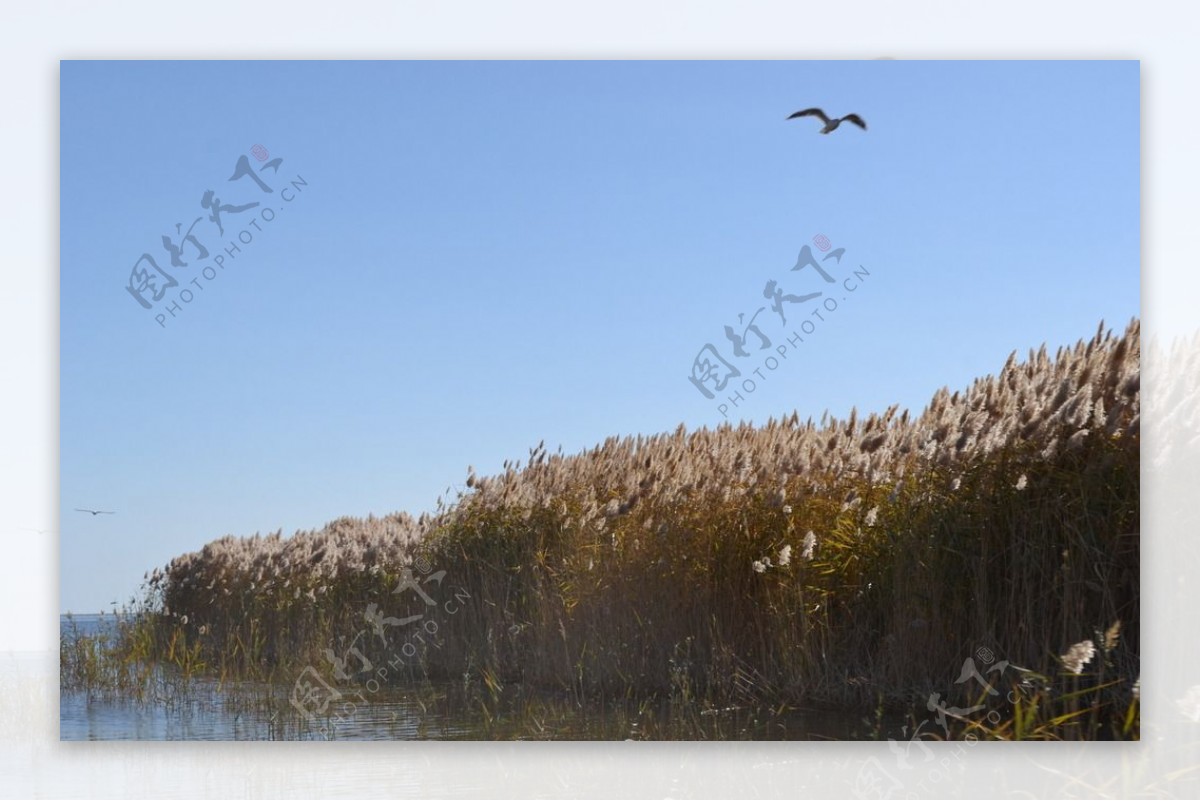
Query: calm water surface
[205,709]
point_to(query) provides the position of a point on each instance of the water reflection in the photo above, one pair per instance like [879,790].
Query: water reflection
[209,711]
[245,711]
[204,708]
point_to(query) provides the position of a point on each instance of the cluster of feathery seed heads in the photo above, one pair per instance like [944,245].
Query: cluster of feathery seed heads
[1089,390]
[275,567]
[1055,403]
[1173,407]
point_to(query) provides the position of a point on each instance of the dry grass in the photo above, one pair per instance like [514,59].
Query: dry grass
[838,560]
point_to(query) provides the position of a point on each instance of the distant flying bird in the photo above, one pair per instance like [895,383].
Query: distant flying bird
[94,512]
[830,125]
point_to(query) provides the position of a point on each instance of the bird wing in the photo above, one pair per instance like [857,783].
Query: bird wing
[811,112]
[857,120]
[77,509]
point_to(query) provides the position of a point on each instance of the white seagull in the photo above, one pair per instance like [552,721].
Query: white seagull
[830,124]
[94,512]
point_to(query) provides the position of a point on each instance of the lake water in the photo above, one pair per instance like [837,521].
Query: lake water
[205,709]
[86,624]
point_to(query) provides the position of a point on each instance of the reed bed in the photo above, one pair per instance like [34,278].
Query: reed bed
[839,561]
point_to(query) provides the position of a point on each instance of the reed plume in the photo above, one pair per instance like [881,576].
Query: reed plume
[1004,513]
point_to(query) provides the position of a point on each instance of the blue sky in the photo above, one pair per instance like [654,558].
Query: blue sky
[477,256]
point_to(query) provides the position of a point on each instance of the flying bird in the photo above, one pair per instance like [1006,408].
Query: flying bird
[830,125]
[94,512]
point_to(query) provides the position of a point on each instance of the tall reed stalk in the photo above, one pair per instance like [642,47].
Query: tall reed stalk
[837,561]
